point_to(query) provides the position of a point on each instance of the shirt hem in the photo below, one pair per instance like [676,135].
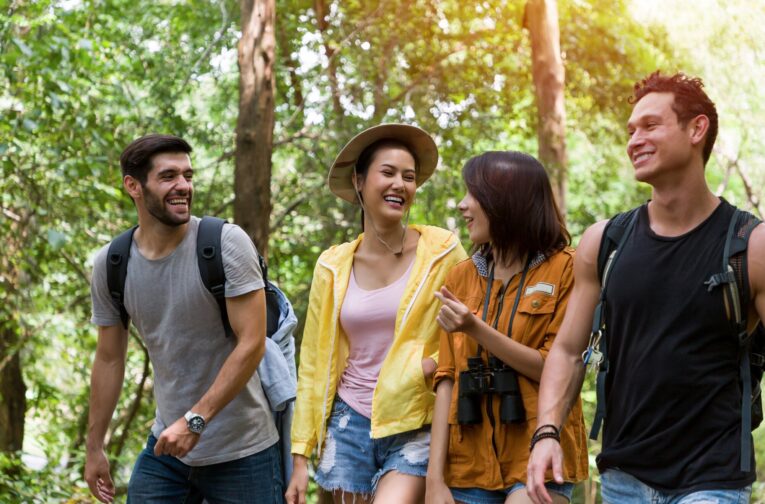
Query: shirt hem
[228,457]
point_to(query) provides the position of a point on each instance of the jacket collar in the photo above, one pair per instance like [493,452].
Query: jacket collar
[481,262]
[433,241]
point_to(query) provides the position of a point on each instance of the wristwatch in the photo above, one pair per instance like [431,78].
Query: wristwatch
[195,422]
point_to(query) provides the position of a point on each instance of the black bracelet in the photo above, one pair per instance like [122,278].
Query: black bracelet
[554,428]
[538,436]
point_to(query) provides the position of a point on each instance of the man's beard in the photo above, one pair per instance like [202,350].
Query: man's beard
[157,209]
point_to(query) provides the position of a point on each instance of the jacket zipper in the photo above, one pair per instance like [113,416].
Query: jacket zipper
[490,397]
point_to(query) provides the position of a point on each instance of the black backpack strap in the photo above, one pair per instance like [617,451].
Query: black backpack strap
[734,279]
[615,236]
[273,312]
[116,271]
[210,262]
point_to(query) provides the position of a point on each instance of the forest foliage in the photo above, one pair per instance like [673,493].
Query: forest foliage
[79,79]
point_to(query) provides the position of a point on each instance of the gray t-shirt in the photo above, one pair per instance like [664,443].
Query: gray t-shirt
[180,324]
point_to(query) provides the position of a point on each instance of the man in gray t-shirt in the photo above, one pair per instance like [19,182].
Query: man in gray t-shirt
[213,436]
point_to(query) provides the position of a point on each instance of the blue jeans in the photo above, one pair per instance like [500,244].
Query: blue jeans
[163,480]
[618,487]
[353,462]
[481,496]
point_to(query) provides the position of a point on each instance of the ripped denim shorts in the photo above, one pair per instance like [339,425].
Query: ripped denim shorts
[353,462]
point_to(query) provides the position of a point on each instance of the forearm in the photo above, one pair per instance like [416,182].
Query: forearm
[525,360]
[439,430]
[105,387]
[236,371]
[560,385]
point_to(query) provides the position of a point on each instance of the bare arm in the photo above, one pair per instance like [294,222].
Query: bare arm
[247,316]
[564,371]
[105,386]
[756,264]
[436,491]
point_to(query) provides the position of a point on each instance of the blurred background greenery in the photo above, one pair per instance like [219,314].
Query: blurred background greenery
[79,79]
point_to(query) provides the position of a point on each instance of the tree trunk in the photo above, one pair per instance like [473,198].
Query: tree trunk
[13,403]
[541,19]
[255,124]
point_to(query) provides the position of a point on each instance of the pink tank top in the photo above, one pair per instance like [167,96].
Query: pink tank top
[369,320]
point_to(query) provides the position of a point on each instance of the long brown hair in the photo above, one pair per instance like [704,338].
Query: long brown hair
[514,191]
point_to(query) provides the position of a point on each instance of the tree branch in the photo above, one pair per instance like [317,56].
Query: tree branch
[136,404]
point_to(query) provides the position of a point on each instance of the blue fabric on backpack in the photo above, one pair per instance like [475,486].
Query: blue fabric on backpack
[278,375]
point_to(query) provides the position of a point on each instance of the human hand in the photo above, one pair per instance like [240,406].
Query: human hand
[547,454]
[97,476]
[298,486]
[436,492]
[176,440]
[454,316]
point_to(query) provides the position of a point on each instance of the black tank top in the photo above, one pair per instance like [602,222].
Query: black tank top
[673,401]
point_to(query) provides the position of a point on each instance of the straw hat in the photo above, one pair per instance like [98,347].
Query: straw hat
[422,145]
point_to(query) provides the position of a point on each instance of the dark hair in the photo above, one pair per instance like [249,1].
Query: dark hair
[690,101]
[135,160]
[514,191]
[366,156]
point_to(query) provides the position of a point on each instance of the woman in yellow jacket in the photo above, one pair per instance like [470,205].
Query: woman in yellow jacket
[371,338]
[501,312]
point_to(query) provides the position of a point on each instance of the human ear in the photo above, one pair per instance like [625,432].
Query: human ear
[132,186]
[699,127]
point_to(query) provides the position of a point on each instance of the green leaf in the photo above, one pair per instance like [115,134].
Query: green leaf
[23,47]
[56,239]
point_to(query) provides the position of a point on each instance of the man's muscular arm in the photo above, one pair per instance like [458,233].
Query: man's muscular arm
[247,315]
[563,371]
[756,267]
[105,387]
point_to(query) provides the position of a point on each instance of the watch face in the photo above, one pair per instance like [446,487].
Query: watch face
[196,424]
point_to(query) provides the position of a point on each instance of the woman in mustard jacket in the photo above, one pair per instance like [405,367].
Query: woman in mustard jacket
[371,337]
[502,309]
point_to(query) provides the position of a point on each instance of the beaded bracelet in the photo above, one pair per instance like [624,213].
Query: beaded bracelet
[538,436]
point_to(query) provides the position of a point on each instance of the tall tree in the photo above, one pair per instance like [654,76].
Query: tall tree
[255,123]
[541,19]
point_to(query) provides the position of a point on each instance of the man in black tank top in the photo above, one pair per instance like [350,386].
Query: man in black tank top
[673,399]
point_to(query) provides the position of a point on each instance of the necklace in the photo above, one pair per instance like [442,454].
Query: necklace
[398,253]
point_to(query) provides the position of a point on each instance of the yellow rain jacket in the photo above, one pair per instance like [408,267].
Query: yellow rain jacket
[402,401]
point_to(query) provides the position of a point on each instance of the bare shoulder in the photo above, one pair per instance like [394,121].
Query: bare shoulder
[586,259]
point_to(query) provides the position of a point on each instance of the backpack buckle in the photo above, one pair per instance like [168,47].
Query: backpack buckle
[719,279]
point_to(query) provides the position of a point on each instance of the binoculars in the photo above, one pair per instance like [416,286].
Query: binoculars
[496,378]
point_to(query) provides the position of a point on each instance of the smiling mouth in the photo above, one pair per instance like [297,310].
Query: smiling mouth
[178,201]
[641,157]
[394,199]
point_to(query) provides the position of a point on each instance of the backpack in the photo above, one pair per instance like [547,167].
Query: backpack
[210,262]
[734,281]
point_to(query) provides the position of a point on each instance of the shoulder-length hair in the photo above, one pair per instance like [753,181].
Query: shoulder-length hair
[514,191]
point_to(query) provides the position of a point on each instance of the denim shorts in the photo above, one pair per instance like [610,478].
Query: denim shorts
[618,487]
[353,462]
[481,496]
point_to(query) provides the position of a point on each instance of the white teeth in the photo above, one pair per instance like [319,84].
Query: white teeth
[642,156]
[394,199]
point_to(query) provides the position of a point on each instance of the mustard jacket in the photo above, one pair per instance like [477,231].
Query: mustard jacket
[402,401]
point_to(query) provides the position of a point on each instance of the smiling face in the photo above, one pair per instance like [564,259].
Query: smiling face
[168,190]
[388,187]
[659,145]
[476,221]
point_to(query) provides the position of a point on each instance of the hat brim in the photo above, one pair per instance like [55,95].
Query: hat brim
[423,147]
